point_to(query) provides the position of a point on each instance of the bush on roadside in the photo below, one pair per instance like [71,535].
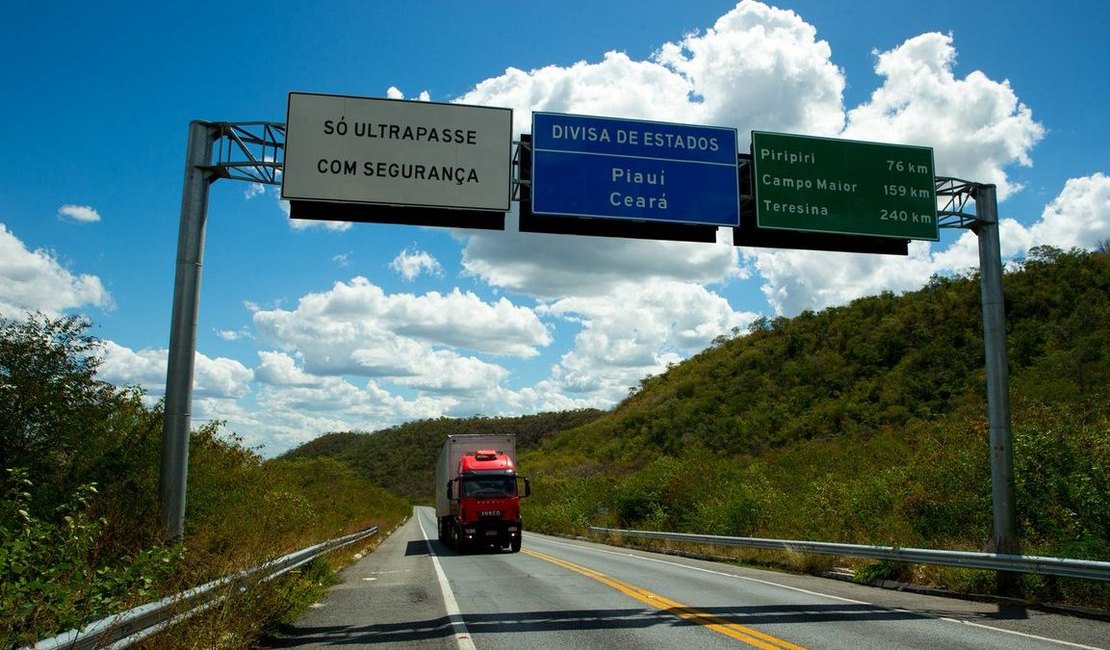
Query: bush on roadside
[79,525]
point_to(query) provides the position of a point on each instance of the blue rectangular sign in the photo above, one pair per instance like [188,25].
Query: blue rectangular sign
[632,169]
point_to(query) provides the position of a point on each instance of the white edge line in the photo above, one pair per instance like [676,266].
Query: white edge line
[462,635]
[1025,635]
[817,593]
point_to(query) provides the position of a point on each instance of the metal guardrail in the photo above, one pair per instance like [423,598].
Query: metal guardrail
[1086,569]
[134,625]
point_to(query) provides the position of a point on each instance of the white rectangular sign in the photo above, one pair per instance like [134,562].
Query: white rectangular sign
[396,152]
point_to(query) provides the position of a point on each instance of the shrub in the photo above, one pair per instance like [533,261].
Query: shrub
[49,578]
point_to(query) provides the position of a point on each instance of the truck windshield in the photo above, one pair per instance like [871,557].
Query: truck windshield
[489,486]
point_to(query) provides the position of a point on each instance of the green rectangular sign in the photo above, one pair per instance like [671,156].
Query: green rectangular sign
[844,186]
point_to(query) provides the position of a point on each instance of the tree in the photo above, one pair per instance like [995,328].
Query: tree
[56,418]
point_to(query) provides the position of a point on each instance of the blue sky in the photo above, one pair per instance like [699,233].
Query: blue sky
[306,328]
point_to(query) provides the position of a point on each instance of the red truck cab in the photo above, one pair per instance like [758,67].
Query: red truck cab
[485,502]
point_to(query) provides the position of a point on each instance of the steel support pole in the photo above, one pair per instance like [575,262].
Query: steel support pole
[998,381]
[183,328]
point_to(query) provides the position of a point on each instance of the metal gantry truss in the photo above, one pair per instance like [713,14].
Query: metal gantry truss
[250,151]
[957,193]
[519,149]
[254,152]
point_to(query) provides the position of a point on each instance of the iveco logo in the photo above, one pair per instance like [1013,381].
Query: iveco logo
[491,513]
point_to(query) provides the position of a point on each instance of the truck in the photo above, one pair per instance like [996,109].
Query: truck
[478,492]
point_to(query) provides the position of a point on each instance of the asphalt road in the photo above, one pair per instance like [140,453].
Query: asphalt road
[413,592]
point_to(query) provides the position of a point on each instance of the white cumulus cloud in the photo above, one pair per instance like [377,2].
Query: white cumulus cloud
[410,263]
[411,341]
[253,190]
[218,378]
[1079,217]
[352,312]
[82,213]
[37,281]
[636,331]
[977,126]
[234,335]
[758,66]
[280,369]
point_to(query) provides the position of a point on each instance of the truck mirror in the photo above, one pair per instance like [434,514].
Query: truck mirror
[527,486]
[450,491]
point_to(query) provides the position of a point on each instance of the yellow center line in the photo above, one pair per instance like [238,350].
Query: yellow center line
[716,623]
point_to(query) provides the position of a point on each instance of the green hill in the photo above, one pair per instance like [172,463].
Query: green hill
[867,424]
[402,459]
[882,361]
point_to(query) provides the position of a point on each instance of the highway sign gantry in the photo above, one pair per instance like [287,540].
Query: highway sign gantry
[610,168]
[342,149]
[844,186]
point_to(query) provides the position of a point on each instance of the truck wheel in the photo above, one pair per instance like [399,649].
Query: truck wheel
[514,546]
[458,542]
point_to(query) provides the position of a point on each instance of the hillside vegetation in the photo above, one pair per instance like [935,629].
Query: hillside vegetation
[864,424]
[867,424]
[881,362]
[80,537]
[402,459]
